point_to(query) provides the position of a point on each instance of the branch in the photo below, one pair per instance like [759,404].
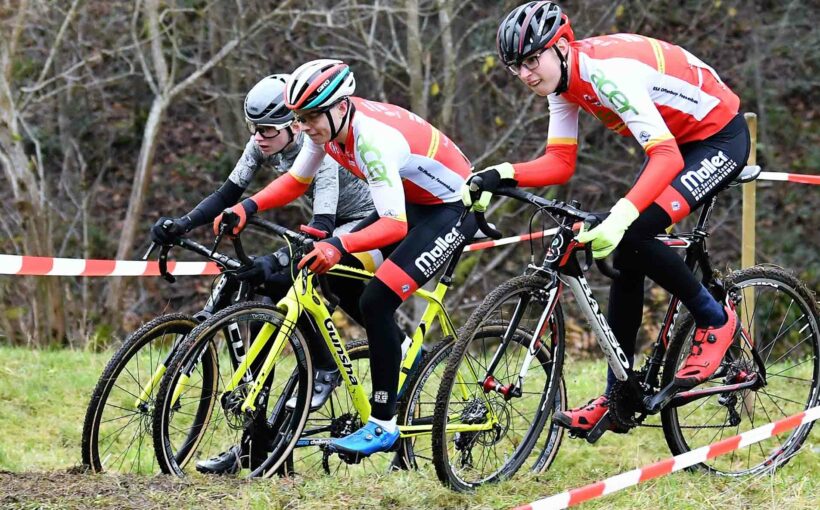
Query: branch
[54,47]
[224,52]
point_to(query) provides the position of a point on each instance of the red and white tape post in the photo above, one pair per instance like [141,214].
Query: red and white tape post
[676,463]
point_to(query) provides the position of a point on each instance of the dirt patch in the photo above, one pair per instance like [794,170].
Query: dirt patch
[78,490]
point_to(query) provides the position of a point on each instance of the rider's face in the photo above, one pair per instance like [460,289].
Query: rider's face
[315,123]
[544,78]
[271,141]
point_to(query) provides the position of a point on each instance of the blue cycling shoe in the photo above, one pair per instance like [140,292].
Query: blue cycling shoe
[370,439]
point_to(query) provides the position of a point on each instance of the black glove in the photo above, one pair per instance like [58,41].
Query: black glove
[167,234]
[263,268]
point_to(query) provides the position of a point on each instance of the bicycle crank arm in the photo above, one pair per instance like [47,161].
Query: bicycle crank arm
[752,382]
[672,396]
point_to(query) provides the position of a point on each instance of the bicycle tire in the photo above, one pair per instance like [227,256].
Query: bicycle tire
[551,359]
[763,279]
[200,341]
[146,335]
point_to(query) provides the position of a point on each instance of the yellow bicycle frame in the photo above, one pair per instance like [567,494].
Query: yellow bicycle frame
[303,298]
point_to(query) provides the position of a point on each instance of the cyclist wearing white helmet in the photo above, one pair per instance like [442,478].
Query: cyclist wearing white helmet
[338,200]
[414,173]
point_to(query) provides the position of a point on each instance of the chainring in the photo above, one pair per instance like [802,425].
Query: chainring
[626,403]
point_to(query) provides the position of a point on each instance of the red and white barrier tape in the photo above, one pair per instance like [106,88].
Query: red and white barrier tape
[509,240]
[783,176]
[676,463]
[50,266]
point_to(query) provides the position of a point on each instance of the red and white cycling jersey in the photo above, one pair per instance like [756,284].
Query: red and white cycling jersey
[653,90]
[400,155]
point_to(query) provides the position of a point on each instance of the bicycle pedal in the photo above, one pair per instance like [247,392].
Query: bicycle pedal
[598,430]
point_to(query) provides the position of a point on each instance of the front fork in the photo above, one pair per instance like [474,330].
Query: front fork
[514,389]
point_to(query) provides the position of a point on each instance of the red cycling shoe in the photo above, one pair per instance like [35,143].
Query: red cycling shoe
[708,348]
[582,419]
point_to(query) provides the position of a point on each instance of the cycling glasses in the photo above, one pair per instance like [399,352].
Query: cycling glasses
[531,63]
[265,131]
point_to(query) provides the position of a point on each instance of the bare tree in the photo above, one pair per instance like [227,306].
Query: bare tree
[159,71]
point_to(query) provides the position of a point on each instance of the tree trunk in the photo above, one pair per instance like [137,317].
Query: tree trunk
[448,63]
[133,217]
[418,102]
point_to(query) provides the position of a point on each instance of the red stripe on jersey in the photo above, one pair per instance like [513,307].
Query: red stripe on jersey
[422,138]
[673,62]
[665,162]
[671,201]
[383,232]
[554,167]
[396,279]
[415,194]
[282,191]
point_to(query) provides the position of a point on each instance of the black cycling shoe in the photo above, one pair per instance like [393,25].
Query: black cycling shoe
[226,463]
[323,384]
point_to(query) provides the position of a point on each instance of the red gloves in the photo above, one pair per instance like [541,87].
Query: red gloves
[322,258]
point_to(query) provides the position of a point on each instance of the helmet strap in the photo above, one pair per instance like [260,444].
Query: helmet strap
[563,83]
[334,131]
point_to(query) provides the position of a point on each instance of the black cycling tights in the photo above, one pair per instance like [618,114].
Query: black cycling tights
[709,166]
[431,239]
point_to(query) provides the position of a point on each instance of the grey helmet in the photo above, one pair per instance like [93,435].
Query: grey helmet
[265,103]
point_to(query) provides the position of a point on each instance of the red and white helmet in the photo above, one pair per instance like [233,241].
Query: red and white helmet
[319,84]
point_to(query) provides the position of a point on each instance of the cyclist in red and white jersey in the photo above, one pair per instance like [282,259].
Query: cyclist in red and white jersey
[415,174]
[686,120]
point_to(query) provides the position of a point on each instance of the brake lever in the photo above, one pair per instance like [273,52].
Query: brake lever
[589,258]
[163,264]
[219,237]
[150,250]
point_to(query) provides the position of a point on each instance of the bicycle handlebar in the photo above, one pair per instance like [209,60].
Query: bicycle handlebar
[553,206]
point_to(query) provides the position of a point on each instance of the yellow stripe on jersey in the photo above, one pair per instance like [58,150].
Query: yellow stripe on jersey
[656,140]
[435,138]
[367,260]
[562,141]
[659,58]
[303,180]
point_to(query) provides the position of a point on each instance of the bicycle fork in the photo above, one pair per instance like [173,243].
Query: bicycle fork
[514,389]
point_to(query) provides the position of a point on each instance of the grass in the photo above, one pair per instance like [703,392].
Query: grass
[43,396]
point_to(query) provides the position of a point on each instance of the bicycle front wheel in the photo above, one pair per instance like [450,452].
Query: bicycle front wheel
[200,376]
[487,420]
[117,426]
[779,320]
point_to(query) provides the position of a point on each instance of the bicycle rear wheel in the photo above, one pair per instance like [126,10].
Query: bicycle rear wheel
[117,426]
[779,316]
[510,423]
[263,437]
